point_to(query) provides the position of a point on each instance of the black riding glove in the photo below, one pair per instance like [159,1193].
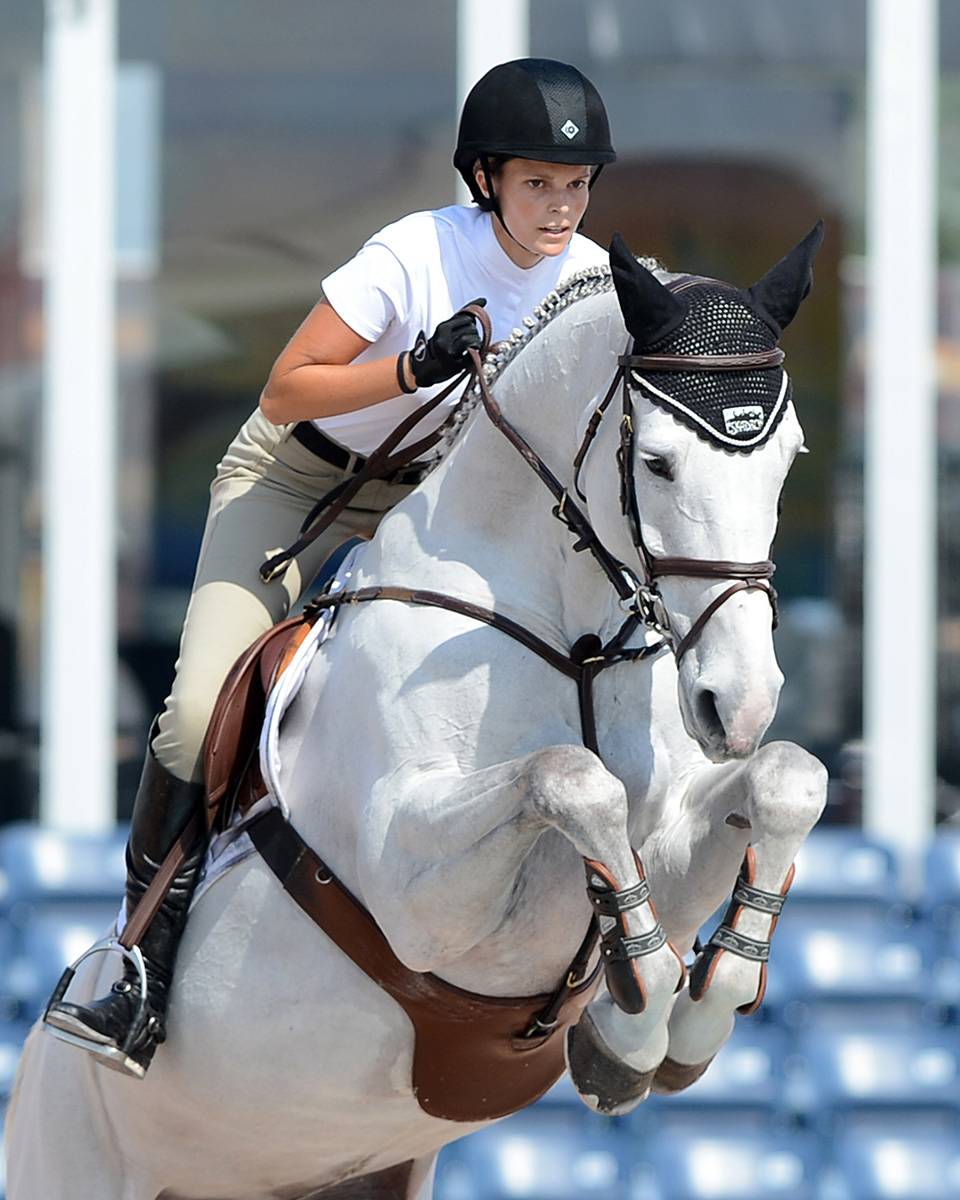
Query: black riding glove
[445,354]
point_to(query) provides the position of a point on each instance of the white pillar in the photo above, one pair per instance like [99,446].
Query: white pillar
[79,472]
[900,449]
[488,32]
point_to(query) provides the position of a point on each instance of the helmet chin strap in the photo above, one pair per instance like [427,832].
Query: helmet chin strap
[497,212]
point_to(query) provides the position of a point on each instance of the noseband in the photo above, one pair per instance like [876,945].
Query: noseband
[641,598]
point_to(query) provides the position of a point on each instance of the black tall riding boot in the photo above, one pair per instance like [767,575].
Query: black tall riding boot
[108,1028]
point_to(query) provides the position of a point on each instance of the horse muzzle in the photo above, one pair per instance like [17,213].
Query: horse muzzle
[728,722]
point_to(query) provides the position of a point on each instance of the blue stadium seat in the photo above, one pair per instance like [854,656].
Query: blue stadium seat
[892,1165]
[41,866]
[840,963]
[49,941]
[536,1155]
[845,866]
[8,1009]
[743,1084]
[563,1095]
[12,1037]
[734,1166]
[864,1072]
[941,898]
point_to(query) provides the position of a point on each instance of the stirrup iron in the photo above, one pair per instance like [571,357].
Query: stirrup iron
[116,1057]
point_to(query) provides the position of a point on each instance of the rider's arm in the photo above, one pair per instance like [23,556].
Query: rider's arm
[315,375]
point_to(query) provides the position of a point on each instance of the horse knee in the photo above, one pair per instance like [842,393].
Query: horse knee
[788,788]
[565,782]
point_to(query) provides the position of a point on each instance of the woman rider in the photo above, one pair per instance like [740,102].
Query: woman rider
[533,137]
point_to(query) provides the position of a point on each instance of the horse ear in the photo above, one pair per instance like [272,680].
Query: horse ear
[777,296]
[650,311]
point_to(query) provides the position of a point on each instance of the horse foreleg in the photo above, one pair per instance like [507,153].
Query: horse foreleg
[741,817]
[760,812]
[453,846]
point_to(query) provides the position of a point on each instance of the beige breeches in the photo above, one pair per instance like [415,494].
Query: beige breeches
[262,491]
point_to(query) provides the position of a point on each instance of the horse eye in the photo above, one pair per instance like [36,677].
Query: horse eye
[659,467]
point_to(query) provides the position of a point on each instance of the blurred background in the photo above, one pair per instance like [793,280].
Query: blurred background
[257,146]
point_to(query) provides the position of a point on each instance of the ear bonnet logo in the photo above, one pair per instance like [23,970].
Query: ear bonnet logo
[743,418]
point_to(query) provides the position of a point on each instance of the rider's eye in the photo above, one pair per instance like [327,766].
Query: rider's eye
[659,467]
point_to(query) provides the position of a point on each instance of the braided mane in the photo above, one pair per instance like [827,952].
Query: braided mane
[591,281]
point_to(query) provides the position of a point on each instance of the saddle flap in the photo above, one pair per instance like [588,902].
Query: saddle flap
[233,733]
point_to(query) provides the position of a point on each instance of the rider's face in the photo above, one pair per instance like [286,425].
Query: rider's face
[542,204]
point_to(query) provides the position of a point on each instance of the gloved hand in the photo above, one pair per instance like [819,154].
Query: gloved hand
[445,354]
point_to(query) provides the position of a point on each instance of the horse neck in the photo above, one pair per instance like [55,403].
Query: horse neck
[486,501]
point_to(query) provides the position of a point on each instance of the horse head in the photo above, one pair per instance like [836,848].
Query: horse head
[707,436]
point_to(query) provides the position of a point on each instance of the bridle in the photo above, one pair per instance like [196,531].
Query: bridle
[639,597]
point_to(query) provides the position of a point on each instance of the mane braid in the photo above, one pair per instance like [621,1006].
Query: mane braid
[591,281]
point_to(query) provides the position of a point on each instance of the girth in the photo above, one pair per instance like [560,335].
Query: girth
[473,1059]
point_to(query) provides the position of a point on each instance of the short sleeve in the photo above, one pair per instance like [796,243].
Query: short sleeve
[371,291]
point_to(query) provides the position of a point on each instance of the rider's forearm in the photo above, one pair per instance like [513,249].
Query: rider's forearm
[324,390]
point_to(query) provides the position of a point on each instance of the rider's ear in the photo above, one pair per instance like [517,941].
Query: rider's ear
[650,311]
[480,181]
[777,296]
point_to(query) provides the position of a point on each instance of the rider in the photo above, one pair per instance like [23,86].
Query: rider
[533,137]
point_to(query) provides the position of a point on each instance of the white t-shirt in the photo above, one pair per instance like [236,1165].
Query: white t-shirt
[416,273]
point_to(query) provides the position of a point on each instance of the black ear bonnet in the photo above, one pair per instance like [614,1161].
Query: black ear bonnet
[694,316]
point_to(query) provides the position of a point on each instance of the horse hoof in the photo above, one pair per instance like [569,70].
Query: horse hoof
[673,1077]
[605,1083]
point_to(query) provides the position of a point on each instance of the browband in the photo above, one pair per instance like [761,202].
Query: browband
[762,360]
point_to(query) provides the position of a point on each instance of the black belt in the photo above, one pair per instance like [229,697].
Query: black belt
[310,437]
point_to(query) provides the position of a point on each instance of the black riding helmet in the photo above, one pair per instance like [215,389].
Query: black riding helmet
[531,108]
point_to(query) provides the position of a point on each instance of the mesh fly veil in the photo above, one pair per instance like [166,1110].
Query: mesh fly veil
[736,409]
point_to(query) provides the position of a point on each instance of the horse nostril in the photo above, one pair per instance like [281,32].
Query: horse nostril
[707,716]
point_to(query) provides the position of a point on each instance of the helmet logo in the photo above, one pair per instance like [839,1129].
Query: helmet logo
[569,129]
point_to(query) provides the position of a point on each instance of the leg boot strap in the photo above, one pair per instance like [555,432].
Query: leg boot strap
[726,936]
[619,949]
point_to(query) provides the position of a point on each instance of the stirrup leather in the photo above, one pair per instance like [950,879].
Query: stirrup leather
[726,937]
[116,1056]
